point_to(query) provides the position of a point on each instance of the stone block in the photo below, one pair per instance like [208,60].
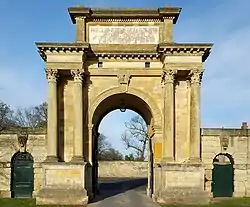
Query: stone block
[4,179]
[183,195]
[52,196]
[181,183]
[64,184]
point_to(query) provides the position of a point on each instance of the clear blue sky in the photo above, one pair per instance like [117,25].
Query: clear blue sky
[226,23]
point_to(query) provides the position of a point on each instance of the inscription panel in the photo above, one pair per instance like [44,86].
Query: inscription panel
[123,34]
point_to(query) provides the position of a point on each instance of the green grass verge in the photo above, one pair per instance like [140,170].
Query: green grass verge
[15,202]
[236,202]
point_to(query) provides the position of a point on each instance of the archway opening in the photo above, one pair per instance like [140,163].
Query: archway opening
[223,175]
[22,175]
[124,173]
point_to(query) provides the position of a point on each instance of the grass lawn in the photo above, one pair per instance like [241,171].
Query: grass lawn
[240,202]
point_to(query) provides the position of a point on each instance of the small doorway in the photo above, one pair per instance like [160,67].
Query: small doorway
[223,176]
[22,175]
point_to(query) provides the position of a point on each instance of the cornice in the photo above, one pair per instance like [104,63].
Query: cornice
[128,51]
[124,13]
[185,49]
[47,47]
[126,20]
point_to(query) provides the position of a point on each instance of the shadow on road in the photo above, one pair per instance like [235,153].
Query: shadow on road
[109,187]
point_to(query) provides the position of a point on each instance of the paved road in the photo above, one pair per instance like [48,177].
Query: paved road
[122,192]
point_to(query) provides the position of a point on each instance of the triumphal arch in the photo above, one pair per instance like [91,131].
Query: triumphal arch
[123,59]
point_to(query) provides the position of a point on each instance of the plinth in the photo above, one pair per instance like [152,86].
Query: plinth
[64,184]
[180,184]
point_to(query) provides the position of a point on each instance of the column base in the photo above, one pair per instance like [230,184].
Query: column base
[194,160]
[149,192]
[77,159]
[51,159]
[168,159]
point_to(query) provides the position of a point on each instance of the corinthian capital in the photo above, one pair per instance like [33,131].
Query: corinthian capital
[196,76]
[168,76]
[77,75]
[51,75]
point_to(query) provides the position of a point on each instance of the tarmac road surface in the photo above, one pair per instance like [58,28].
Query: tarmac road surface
[122,192]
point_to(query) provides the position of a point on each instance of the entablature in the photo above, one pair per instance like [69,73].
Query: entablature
[175,49]
[183,66]
[178,55]
[45,48]
[130,71]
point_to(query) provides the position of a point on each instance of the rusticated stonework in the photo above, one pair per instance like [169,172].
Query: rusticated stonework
[123,34]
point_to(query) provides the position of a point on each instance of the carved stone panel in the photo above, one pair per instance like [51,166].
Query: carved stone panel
[123,34]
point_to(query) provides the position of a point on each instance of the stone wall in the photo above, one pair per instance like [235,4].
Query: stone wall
[238,148]
[36,145]
[126,169]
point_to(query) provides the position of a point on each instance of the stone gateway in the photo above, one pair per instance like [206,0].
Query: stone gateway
[125,59]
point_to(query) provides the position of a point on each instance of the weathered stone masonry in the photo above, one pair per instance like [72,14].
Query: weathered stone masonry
[238,147]
[127,58]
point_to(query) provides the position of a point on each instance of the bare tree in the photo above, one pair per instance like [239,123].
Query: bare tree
[6,117]
[103,144]
[136,137]
[32,117]
[106,151]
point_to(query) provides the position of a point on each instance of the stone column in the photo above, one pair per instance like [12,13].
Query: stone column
[52,123]
[78,116]
[168,133]
[195,141]
[80,29]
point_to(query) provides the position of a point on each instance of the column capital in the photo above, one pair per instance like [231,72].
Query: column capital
[168,76]
[51,74]
[196,76]
[77,75]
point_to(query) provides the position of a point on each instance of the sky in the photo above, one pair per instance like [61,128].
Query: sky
[225,93]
